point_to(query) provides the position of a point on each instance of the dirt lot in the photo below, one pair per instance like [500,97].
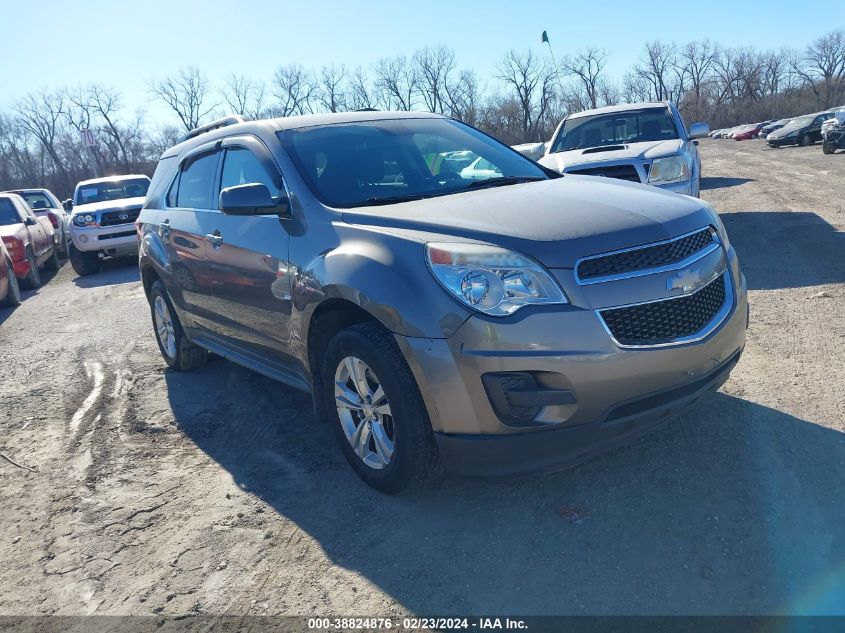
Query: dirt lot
[217,492]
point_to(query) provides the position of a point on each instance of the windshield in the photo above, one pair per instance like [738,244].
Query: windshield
[37,200]
[381,162]
[614,128]
[800,121]
[111,190]
[8,213]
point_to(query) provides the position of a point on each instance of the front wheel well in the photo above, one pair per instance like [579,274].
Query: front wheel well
[330,317]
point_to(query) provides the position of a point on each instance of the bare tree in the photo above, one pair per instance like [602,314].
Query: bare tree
[822,67]
[587,66]
[532,84]
[398,81]
[696,61]
[331,90]
[463,97]
[360,91]
[41,115]
[244,96]
[656,68]
[434,67]
[187,94]
[294,88]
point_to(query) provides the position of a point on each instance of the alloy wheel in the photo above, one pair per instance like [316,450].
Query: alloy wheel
[164,327]
[364,413]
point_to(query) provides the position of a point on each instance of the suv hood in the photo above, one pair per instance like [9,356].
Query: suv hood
[109,205]
[646,150]
[555,221]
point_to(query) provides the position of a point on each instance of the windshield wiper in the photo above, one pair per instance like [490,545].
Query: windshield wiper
[500,182]
[375,201]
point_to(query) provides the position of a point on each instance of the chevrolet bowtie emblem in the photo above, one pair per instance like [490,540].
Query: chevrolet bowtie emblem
[687,280]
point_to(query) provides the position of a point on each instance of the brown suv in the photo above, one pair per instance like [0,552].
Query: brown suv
[518,322]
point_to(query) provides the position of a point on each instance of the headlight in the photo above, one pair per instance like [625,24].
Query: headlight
[720,226]
[490,279]
[669,169]
[84,219]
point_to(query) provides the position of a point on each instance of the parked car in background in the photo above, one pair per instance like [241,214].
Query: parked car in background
[833,132]
[103,220]
[513,324]
[534,151]
[802,130]
[639,142]
[44,203]
[29,239]
[748,132]
[771,127]
[10,292]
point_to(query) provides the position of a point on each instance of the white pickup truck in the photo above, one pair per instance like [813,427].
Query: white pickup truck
[103,217]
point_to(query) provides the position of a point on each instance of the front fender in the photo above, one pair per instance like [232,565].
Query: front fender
[387,276]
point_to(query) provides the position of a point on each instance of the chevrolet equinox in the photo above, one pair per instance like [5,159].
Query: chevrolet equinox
[519,322]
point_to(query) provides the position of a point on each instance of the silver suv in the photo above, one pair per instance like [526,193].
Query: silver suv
[640,142]
[102,223]
[520,322]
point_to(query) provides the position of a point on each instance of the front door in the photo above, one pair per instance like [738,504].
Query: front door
[248,258]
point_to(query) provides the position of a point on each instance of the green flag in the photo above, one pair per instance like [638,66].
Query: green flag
[544,38]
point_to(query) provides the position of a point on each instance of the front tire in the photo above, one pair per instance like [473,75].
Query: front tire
[827,148]
[376,410]
[13,290]
[178,352]
[804,140]
[84,262]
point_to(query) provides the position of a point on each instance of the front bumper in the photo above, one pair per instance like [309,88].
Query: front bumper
[118,239]
[619,392]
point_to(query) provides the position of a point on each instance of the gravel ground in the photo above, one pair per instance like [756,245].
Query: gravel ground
[217,492]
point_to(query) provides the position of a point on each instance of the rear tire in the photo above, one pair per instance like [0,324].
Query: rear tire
[178,352]
[412,454]
[827,148]
[32,281]
[84,262]
[804,140]
[13,290]
[53,263]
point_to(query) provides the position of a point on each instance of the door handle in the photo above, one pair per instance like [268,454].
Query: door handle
[215,239]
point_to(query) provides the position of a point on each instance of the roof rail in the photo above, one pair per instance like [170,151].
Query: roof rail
[232,119]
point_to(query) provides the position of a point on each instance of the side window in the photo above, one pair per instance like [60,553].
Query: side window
[241,167]
[195,182]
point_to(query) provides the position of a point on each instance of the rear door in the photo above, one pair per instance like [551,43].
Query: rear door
[183,224]
[248,257]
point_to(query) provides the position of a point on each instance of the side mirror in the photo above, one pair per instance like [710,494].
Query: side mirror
[252,199]
[30,221]
[699,130]
[67,204]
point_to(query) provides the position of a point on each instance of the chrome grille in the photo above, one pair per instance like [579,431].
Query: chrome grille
[622,172]
[647,257]
[665,321]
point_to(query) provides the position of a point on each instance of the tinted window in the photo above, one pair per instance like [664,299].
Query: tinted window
[381,162]
[195,183]
[8,213]
[241,167]
[111,190]
[631,126]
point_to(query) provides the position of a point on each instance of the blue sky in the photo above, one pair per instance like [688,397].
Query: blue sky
[125,45]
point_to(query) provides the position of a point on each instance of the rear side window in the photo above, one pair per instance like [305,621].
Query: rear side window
[195,182]
[8,213]
[241,167]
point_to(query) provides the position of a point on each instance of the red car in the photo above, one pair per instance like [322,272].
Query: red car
[29,239]
[749,132]
[10,292]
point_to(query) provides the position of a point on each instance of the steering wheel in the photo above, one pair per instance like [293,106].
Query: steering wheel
[446,177]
